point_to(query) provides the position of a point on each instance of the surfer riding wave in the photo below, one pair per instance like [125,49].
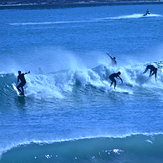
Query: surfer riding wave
[23,82]
[147,13]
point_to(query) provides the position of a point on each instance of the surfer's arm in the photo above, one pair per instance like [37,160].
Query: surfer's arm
[109,55]
[120,79]
[27,72]
[145,71]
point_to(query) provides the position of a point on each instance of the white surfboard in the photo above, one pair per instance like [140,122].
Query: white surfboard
[119,90]
[17,90]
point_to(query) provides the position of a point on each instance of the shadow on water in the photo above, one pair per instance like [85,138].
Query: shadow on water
[21,102]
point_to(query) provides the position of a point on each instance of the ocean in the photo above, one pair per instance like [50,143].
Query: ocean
[70,114]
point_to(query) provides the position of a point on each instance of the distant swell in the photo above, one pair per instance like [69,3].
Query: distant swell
[134,148]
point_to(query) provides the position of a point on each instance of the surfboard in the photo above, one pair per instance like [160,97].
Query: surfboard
[119,90]
[17,91]
[122,91]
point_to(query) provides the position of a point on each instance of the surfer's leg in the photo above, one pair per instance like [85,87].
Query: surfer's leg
[115,83]
[154,73]
[22,91]
[150,74]
[112,81]
[19,90]
[18,87]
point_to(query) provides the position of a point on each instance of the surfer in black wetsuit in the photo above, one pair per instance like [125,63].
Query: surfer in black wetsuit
[147,13]
[113,60]
[112,78]
[153,70]
[23,82]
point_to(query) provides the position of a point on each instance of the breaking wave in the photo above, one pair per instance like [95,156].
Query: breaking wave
[57,84]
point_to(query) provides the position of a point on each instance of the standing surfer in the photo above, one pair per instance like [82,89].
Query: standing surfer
[147,13]
[22,83]
[112,78]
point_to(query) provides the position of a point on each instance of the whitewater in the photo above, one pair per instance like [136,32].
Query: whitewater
[69,112]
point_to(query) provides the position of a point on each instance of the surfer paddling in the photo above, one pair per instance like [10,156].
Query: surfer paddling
[22,83]
[112,78]
[153,70]
[113,60]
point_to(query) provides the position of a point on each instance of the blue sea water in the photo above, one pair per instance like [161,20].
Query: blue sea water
[70,113]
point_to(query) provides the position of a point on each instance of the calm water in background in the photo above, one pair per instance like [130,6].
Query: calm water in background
[70,113]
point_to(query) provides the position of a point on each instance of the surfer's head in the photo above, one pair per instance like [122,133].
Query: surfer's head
[155,69]
[114,58]
[119,73]
[19,72]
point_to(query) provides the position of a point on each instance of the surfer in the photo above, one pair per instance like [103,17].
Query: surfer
[147,12]
[112,78]
[22,83]
[40,70]
[113,60]
[153,70]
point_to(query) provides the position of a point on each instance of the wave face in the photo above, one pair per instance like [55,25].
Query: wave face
[134,148]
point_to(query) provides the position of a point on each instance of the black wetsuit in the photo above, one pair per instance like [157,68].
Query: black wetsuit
[112,78]
[23,82]
[153,70]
